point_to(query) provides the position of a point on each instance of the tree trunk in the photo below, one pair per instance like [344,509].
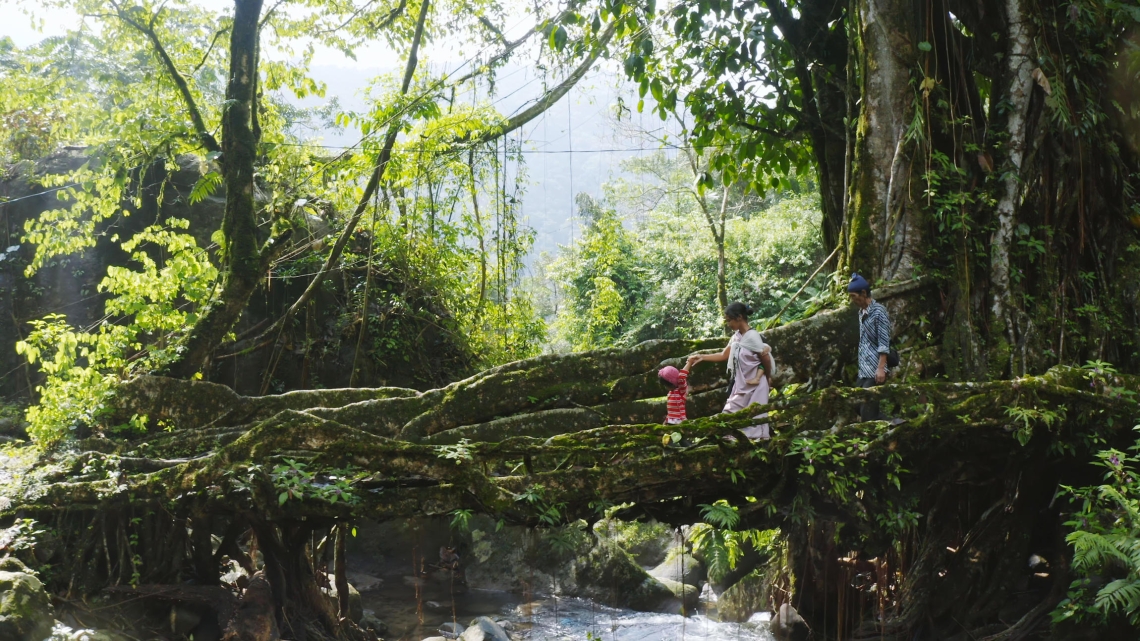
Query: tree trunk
[883,237]
[1019,67]
[721,262]
[246,262]
[820,61]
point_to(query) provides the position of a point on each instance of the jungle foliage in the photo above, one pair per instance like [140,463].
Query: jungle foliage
[646,265]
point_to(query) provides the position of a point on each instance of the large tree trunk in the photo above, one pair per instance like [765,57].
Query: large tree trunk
[883,236]
[820,65]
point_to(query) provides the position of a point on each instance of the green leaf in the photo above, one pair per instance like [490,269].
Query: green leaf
[558,38]
[282,497]
[925,46]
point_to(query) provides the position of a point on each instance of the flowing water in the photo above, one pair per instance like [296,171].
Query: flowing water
[549,618]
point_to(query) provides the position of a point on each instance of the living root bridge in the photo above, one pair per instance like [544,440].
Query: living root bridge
[814,448]
[968,479]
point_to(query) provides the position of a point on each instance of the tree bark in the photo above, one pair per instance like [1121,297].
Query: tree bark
[1020,64]
[820,64]
[883,236]
[246,262]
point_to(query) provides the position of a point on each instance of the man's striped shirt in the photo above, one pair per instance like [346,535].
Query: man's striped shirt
[874,338]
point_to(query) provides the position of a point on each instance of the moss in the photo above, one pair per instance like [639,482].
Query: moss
[609,575]
[999,352]
[25,610]
[751,594]
[646,542]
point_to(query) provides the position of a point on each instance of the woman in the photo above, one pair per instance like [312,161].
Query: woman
[750,366]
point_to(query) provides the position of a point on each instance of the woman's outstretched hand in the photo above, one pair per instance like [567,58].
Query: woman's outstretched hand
[693,359]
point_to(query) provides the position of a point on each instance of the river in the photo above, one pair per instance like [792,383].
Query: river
[413,617]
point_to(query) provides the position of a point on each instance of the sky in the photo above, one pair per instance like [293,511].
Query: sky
[571,149]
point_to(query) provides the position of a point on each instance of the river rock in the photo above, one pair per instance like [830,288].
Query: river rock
[355,603]
[363,582]
[647,542]
[371,622]
[788,625]
[451,630]
[749,595]
[680,566]
[609,575]
[25,608]
[685,599]
[484,629]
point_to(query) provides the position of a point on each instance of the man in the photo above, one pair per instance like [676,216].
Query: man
[874,342]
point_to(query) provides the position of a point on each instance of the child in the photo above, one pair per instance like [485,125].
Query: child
[677,380]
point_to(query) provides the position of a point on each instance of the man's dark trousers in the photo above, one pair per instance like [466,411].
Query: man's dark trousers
[869,411]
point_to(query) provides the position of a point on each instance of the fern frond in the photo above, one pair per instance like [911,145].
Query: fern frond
[205,186]
[1092,551]
[1122,595]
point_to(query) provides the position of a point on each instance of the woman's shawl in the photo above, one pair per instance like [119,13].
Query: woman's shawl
[753,342]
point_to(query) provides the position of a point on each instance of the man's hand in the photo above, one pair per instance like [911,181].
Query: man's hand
[880,375]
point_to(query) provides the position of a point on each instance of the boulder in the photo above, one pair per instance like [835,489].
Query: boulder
[484,629]
[373,624]
[364,582]
[788,625]
[685,599]
[25,608]
[647,542]
[680,566]
[452,630]
[607,574]
[749,595]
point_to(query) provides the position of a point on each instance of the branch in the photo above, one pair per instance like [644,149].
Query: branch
[495,30]
[553,96]
[209,50]
[507,51]
[204,136]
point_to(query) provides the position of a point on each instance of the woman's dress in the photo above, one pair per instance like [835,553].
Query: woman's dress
[743,394]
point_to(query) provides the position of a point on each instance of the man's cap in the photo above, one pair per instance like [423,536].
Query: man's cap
[858,284]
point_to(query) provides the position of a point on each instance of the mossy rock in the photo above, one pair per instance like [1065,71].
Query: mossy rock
[647,542]
[685,599]
[25,608]
[679,565]
[749,595]
[609,575]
